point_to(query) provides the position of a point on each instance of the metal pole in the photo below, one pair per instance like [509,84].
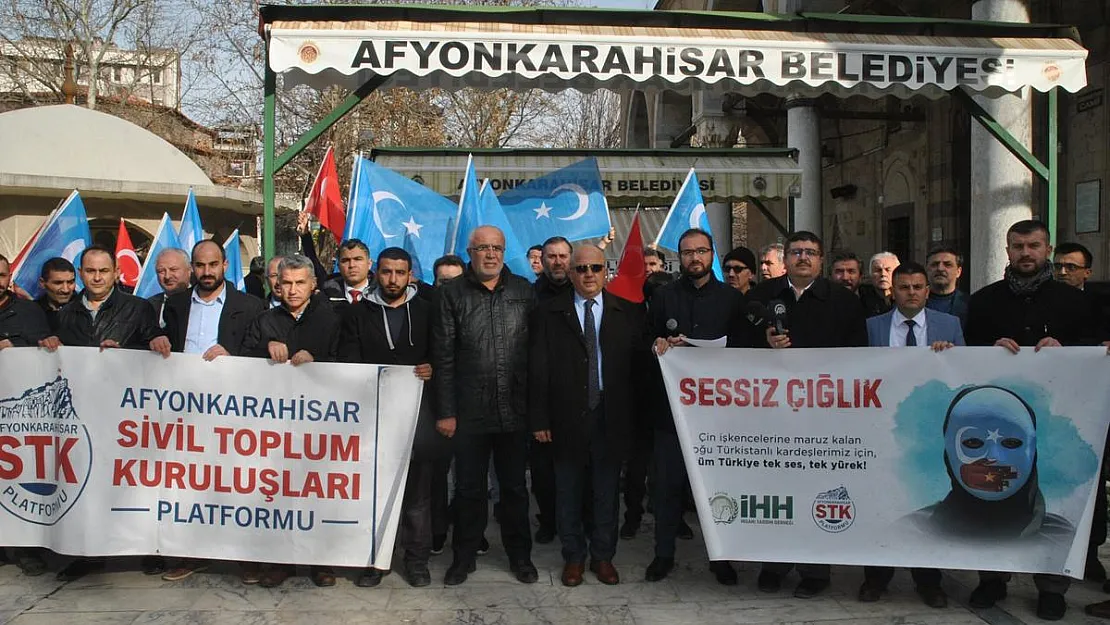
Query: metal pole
[1053,163]
[269,89]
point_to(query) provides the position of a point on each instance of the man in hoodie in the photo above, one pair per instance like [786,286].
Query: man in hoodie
[393,326]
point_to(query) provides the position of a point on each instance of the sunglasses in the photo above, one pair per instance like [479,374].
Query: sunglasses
[735,269]
[598,268]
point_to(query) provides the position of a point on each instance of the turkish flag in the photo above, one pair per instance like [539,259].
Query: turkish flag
[325,201]
[631,271]
[126,260]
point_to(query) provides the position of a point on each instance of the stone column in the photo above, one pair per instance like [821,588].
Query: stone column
[714,131]
[803,132]
[1001,185]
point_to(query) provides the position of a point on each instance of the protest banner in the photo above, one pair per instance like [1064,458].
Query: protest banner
[974,458]
[127,453]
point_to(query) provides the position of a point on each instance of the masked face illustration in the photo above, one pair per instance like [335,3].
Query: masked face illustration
[991,443]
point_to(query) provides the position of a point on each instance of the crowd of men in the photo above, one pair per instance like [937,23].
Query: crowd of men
[540,378]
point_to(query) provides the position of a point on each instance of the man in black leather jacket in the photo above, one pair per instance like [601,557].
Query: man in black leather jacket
[480,358]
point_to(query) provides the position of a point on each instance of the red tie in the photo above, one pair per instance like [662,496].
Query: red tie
[355,295]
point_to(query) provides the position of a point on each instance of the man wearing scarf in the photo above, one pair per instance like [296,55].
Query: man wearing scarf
[1028,309]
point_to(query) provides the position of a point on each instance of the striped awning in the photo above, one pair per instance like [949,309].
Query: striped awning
[552,49]
[629,177]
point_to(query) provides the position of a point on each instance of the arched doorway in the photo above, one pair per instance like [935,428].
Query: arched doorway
[105,230]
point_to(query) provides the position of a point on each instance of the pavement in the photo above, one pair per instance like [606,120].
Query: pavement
[123,596]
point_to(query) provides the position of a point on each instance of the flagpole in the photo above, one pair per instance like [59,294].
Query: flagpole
[670,212]
[462,198]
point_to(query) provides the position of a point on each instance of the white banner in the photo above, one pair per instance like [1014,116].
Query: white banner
[126,453]
[974,458]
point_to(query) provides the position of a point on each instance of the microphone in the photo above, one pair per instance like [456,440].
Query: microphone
[672,327]
[778,316]
[757,314]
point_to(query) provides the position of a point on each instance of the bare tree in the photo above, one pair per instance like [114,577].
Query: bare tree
[588,120]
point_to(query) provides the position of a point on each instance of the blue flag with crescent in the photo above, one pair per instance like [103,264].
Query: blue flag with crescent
[688,211]
[165,238]
[66,234]
[480,207]
[386,206]
[234,271]
[569,202]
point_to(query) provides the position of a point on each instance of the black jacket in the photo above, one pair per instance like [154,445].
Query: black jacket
[1055,310]
[335,291]
[480,353]
[365,338]
[546,289]
[50,312]
[827,315]
[873,302]
[123,318]
[317,331]
[955,303]
[239,311]
[558,375]
[22,322]
[255,285]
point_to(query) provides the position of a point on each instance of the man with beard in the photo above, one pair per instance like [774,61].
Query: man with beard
[393,326]
[846,271]
[945,266]
[480,356]
[58,280]
[174,275]
[818,314]
[210,319]
[698,306]
[1027,308]
[303,329]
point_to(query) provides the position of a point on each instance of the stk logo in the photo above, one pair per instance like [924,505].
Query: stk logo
[45,454]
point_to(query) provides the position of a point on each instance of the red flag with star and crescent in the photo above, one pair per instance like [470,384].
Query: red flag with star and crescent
[631,271]
[127,261]
[325,201]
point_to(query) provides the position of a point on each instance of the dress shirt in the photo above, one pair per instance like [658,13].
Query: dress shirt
[360,288]
[204,322]
[580,309]
[898,329]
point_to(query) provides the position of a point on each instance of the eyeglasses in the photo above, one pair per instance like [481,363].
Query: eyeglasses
[807,252]
[483,248]
[595,268]
[735,269]
[1068,267]
[698,251]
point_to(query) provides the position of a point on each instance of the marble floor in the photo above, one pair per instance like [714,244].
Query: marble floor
[123,596]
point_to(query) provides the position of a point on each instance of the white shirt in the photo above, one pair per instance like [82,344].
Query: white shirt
[204,322]
[898,329]
[798,294]
[361,289]
[580,309]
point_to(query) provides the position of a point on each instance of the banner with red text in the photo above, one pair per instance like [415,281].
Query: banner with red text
[126,453]
[974,458]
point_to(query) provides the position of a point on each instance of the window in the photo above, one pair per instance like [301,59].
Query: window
[117,73]
[157,74]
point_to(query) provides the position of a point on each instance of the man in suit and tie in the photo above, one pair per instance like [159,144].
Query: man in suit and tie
[910,324]
[583,346]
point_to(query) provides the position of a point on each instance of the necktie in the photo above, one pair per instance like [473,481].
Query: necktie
[355,295]
[589,332]
[911,338]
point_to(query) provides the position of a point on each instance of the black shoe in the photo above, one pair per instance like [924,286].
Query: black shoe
[457,572]
[78,569]
[483,547]
[1094,572]
[525,571]
[152,565]
[32,564]
[933,596]
[417,574]
[726,575]
[769,582]
[1051,606]
[370,578]
[684,531]
[659,569]
[437,543]
[809,588]
[545,535]
[629,529]
[870,592]
[986,594]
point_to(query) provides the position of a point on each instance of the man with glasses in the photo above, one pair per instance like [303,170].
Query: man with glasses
[480,359]
[818,314]
[699,306]
[739,266]
[1072,264]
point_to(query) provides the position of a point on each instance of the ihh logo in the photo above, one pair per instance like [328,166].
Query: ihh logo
[45,454]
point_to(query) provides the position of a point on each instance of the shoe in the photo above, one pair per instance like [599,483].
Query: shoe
[250,574]
[457,572]
[606,572]
[483,547]
[152,565]
[31,564]
[184,571]
[769,582]
[726,575]
[323,576]
[276,576]
[78,569]
[986,594]
[870,592]
[809,588]
[545,535]
[1101,609]
[933,596]
[1094,571]
[572,574]
[1051,606]
[658,569]
[417,574]
[438,541]
[685,532]
[629,529]
[525,571]
[370,578]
